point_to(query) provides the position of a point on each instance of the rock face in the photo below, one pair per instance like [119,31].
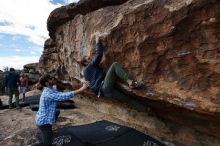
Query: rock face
[171,45]
[31,71]
[69,12]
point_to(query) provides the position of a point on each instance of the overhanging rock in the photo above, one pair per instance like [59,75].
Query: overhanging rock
[170,45]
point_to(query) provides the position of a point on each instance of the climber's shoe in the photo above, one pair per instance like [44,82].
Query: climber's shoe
[136,85]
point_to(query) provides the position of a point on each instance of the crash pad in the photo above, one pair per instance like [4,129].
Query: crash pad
[102,133]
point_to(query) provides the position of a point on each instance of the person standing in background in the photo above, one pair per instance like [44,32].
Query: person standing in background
[11,86]
[23,85]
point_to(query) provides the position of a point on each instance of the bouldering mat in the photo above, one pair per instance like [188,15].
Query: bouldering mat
[60,105]
[31,100]
[102,133]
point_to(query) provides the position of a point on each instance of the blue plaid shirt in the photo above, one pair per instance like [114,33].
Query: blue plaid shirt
[47,106]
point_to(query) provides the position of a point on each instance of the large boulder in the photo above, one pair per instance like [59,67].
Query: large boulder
[56,18]
[170,45]
[32,72]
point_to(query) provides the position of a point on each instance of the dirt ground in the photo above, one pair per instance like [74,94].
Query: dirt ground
[18,127]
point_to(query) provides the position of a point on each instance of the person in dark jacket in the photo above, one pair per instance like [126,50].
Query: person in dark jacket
[103,84]
[11,86]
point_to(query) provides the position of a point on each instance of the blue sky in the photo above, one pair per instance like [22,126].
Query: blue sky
[23,30]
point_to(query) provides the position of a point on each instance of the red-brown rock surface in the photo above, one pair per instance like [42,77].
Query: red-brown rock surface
[31,71]
[69,12]
[171,45]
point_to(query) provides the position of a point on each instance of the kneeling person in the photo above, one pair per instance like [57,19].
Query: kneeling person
[46,115]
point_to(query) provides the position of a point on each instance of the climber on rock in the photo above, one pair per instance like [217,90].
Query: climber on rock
[103,84]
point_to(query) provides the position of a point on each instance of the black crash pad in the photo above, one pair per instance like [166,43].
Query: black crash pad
[102,133]
[60,105]
[6,106]
[34,100]
[2,107]
[28,100]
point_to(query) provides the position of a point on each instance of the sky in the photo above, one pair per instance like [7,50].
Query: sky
[23,30]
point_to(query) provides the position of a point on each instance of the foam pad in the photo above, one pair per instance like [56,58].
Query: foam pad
[102,133]
[22,104]
[65,105]
[60,105]
[32,99]
[34,107]
[2,107]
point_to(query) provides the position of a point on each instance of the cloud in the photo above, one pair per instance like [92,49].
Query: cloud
[26,18]
[18,50]
[22,20]
[17,62]
[33,53]
[36,50]
[71,1]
